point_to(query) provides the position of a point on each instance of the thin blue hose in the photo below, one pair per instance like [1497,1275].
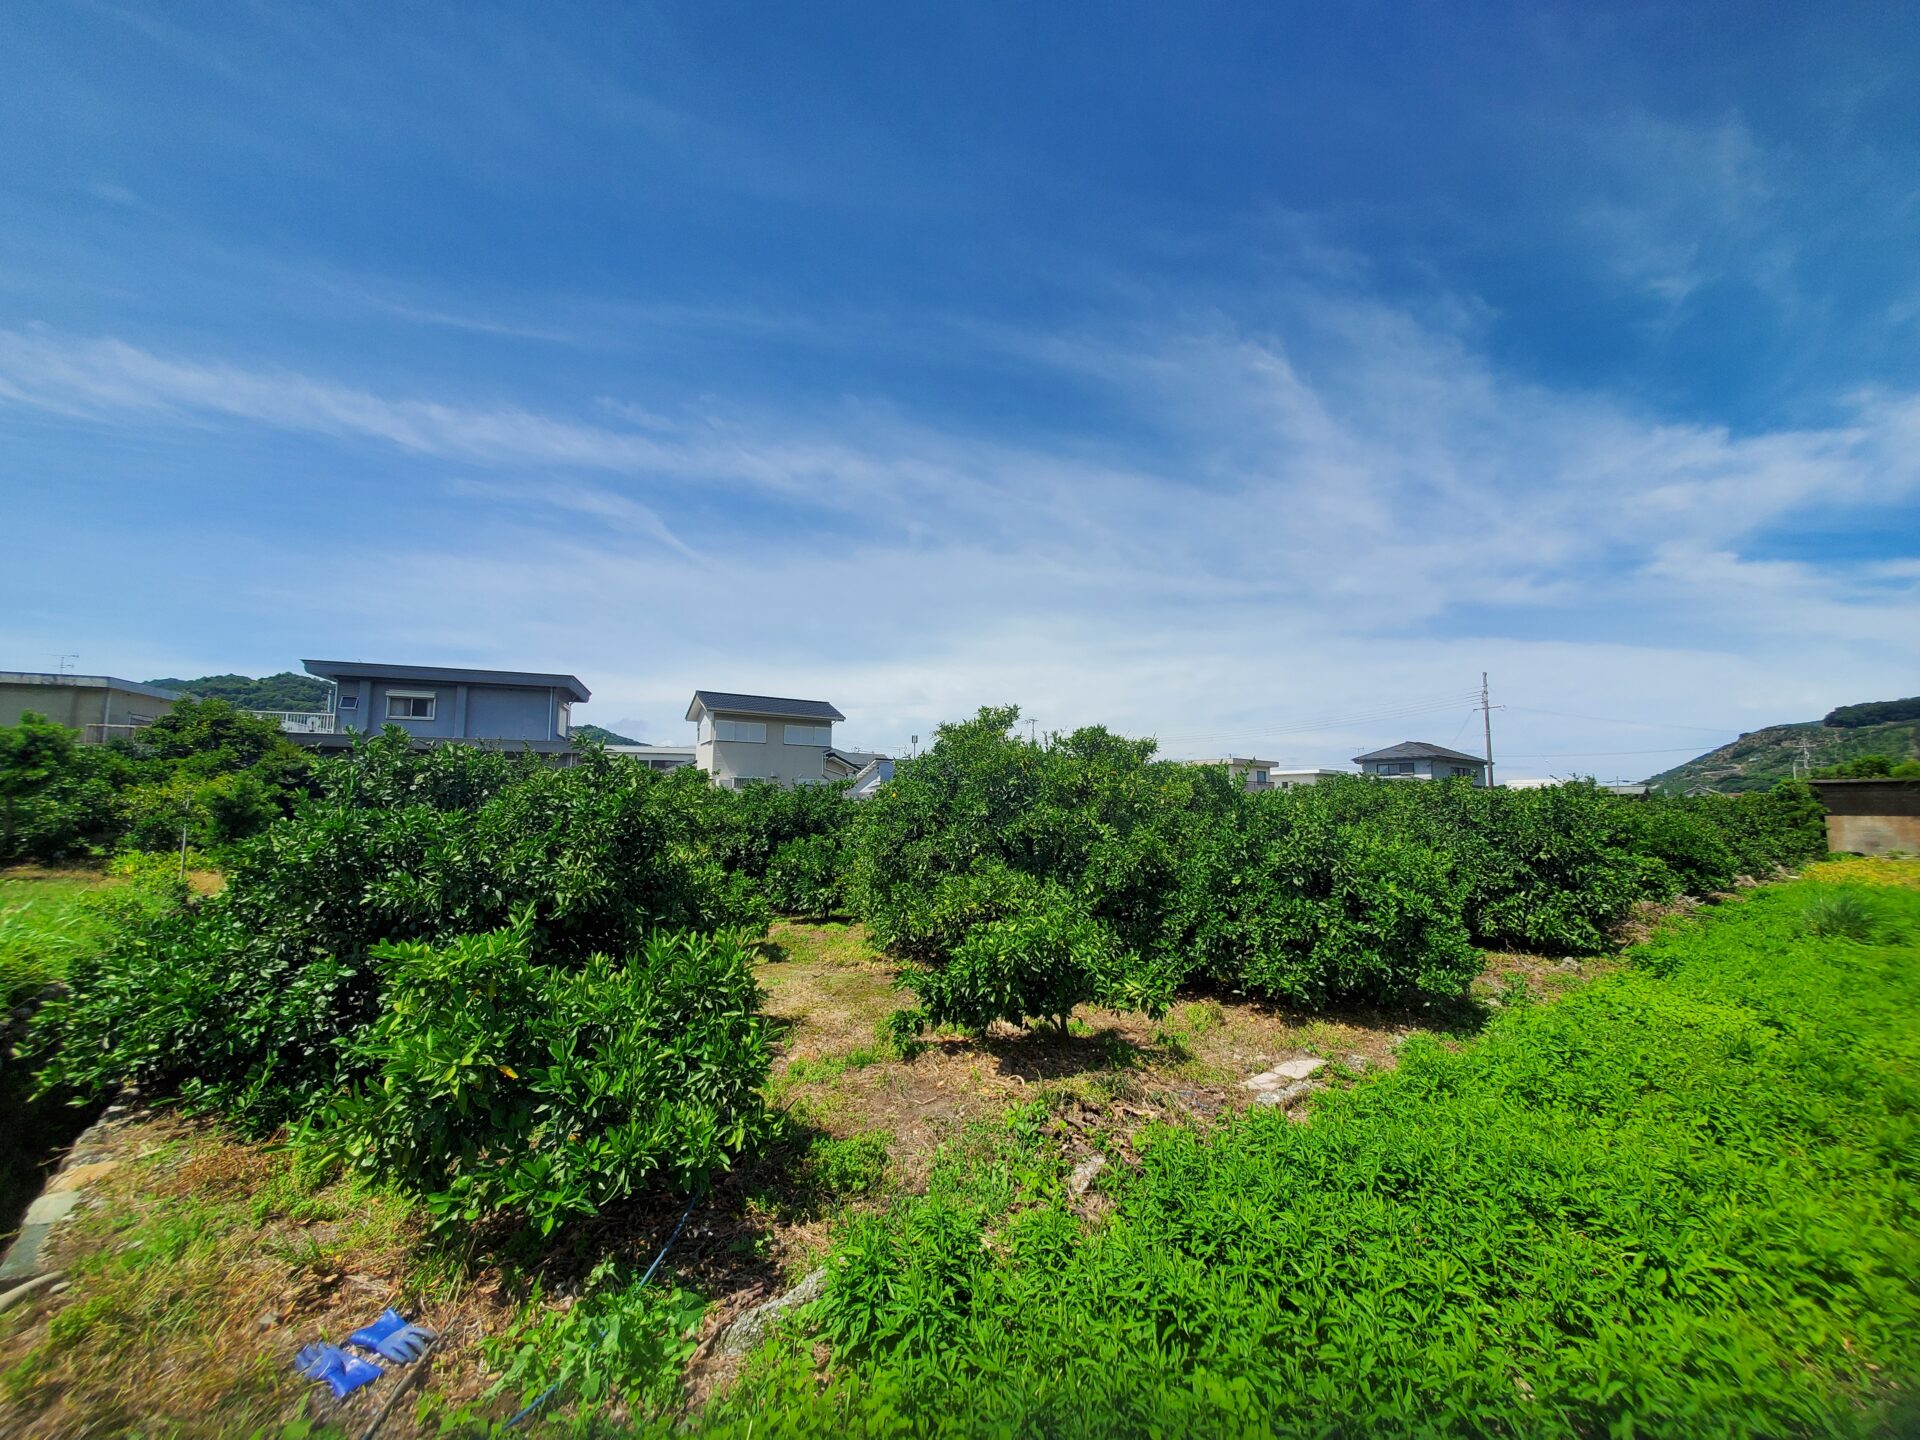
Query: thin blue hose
[547,1394]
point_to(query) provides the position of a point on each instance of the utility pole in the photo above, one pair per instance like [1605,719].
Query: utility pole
[1033,732]
[1486,719]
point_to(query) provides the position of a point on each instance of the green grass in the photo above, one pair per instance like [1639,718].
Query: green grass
[193,1243]
[1682,1201]
[45,919]
[807,1071]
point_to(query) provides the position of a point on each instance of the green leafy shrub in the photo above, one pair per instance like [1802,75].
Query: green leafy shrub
[840,1170]
[622,1343]
[805,876]
[1036,959]
[1687,844]
[219,774]
[1301,906]
[1783,826]
[1677,1202]
[497,1084]
[57,797]
[250,1001]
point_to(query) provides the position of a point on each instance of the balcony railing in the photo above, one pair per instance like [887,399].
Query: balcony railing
[300,722]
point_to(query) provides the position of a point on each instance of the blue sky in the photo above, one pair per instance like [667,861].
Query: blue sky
[1252,376]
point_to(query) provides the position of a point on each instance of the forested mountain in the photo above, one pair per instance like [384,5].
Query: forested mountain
[604,736]
[1760,758]
[285,691]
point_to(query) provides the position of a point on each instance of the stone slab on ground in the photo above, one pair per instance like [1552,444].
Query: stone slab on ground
[86,1161]
[1287,1096]
[1285,1073]
[23,1258]
[1083,1174]
[750,1327]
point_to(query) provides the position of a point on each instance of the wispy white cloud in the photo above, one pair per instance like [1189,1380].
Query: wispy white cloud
[1345,505]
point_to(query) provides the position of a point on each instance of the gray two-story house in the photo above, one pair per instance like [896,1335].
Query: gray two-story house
[1419,760]
[763,739]
[440,704]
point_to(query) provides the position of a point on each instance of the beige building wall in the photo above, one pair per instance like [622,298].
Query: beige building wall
[772,759]
[86,708]
[1874,834]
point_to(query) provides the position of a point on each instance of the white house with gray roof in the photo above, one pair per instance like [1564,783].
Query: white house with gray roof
[1419,760]
[763,739]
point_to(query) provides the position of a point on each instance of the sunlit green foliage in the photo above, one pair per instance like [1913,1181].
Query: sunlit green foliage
[206,773]
[497,1084]
[1679,1202]
[622,1344]
[1021,878]
[251,1000]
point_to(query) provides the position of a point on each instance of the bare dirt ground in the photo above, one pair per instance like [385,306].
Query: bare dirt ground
[198,1263]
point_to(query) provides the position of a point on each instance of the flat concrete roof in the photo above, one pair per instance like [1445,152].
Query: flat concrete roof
[87,682]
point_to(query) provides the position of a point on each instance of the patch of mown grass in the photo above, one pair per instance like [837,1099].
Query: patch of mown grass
[1865,870]
[44,922]
[809,1070]
[1680,1201]
[193,1275]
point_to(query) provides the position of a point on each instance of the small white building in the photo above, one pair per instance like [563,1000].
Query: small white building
[1244,771]
[1294,779]
[660,758]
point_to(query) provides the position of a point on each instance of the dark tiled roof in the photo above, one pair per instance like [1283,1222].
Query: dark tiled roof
[1418,750]
[726,702]
[445,675]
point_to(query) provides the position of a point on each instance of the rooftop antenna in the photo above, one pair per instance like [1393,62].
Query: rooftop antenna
[63,663]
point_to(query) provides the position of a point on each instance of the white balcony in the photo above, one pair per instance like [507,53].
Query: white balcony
[300,722]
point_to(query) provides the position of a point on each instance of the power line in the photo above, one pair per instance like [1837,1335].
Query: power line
[1583,754]
[1615,720]
[1377,715]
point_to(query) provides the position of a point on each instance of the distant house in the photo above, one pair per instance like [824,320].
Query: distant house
[439,704]
[868,770]
[763,739]
[662,758]
[1294,779]
[1418,760]
[100,707]
[1242,770]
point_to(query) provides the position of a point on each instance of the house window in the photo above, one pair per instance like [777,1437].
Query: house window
[753,732]
[1460,770]
[809,734]
[349,702]
[409,705]
[566,720]
[1396,767]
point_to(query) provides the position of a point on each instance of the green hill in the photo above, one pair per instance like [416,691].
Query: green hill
[603,735]
[285,691]
[1760,758]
